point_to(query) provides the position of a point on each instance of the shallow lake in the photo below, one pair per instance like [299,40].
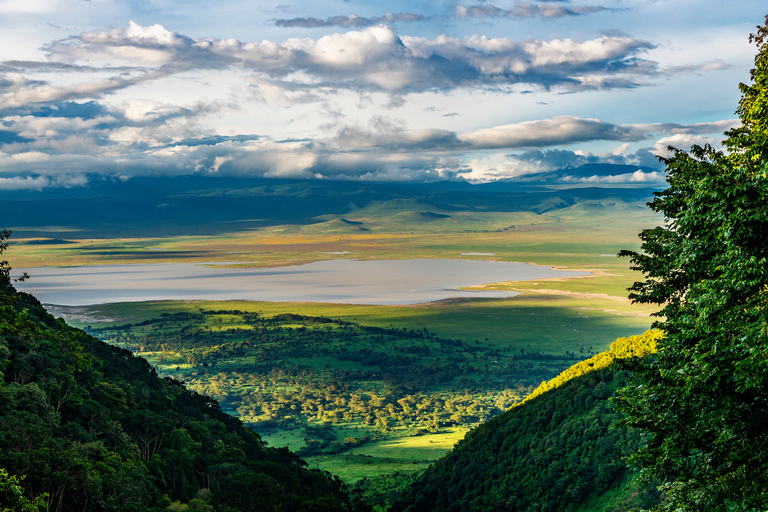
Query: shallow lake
[341,281]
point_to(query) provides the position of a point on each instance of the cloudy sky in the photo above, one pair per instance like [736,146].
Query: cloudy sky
[329,89]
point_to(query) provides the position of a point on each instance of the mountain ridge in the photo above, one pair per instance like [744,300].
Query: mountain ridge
[154,206]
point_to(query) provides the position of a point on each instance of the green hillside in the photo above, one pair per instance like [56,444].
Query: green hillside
[91,427]
[556,452]
[199,205]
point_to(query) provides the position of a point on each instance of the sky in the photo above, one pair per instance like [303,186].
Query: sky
[361,90]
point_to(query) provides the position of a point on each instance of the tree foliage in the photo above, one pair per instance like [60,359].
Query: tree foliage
[704,397]
[622,348]
[5,268]
[13,498]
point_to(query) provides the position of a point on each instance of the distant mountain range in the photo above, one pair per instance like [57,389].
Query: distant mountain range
[197,205]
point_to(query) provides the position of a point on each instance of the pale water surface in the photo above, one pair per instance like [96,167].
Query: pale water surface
[341,281]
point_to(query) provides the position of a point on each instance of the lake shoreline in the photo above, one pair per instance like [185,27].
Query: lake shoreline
[344,281]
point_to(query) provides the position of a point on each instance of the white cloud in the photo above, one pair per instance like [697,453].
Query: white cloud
[25,183]
[373,58]
[621,149]
[218,162]
[41,182]
[638,176]
[683,141]
[550,132]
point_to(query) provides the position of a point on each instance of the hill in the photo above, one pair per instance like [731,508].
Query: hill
[91,427]
[200,205]
[556,452]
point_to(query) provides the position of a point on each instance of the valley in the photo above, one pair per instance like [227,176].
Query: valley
[375,393]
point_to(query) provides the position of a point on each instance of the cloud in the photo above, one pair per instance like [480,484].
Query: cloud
[683,141]
[18,91]
[525,10]
[692,129]
[564,166]
[350,21]
[25,183]
[142,137]
[550,132]
[621,149]
[66,129]
[374,58]
[639,176]
[715,65]
[41,182]
[385,134]
[553,159]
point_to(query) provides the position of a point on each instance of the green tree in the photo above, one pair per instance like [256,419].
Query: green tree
[703,399]
[5,268]
[12,497]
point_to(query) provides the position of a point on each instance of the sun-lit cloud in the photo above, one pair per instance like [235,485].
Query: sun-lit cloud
[375,58]
[683,141]
[638,176]
[550,132]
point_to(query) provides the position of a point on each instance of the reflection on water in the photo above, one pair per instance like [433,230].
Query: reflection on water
[341,281]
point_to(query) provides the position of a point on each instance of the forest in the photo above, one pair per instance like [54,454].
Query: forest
[557,452]
[288,371]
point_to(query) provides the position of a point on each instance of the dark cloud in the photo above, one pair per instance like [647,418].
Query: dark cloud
[646,158]
[50,66]
[563,166]
[692,129]
[526,10]
[216,139]
[558,159]
[349,21]
[555,158]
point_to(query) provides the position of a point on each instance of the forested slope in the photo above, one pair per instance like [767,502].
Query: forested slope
[556,452]
[91,427]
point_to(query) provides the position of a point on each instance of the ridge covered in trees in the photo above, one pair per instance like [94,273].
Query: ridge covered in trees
[555,453]
[88,426]
[623,348]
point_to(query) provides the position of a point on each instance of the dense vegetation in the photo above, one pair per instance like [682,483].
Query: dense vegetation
[556,452]
[88,426]
[287,370]
[704,397]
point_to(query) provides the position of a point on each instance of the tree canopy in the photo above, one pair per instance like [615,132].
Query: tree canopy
[703,399]
[5,268]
